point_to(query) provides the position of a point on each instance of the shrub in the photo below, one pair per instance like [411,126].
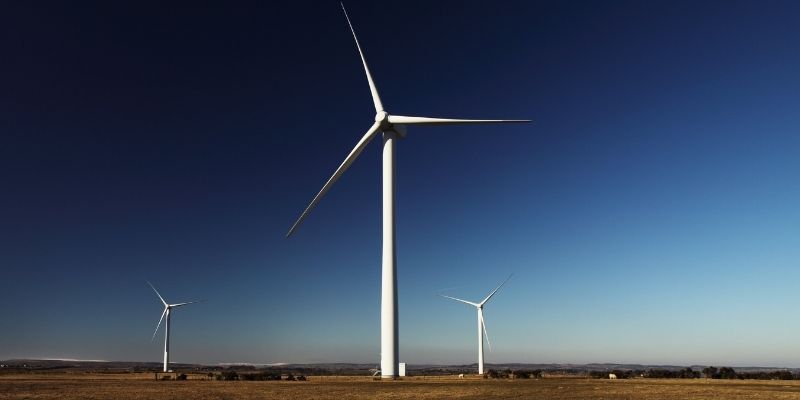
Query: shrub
[710,372]
[727,373]
[522,374]
[260,376]
[228,376]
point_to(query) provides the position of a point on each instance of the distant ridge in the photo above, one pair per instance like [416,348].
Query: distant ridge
[357,368]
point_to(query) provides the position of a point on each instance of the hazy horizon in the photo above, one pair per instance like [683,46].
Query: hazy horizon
[369,363]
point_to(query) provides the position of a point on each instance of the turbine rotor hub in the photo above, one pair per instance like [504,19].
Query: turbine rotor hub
[382,118]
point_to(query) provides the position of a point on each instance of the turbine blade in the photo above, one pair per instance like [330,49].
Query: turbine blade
[495,291]
[337,174]
[159,324]
[463,301]
[405,120]
[183,304]
[157,294]
[486,334]
[375,98]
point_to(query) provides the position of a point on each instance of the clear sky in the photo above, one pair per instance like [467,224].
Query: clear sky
[650,213]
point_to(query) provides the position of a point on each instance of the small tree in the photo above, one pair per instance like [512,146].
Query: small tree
[783,375]
[522,374]
[727,373]
[229,376]
[620,373]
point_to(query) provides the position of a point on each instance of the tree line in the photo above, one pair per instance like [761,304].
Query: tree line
[258,376]
[688,373]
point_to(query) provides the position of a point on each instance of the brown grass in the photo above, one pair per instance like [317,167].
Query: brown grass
[142,386]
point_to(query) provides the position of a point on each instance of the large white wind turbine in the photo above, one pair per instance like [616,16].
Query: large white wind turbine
[167,311]
[392,127]
[481,323]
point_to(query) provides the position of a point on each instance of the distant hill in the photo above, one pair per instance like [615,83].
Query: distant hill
[342,368]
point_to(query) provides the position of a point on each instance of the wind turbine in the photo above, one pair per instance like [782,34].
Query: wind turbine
[481,323]
[167,311]
[392,127]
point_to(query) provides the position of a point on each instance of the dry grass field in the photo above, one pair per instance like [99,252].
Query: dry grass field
[143,386]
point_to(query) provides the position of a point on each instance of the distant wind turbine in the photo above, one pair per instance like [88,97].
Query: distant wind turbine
[481,323]
[167,310]
[392,127]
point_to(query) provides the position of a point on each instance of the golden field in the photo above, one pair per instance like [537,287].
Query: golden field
[143,386]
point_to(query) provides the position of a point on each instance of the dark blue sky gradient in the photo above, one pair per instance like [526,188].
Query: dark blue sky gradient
[649,213]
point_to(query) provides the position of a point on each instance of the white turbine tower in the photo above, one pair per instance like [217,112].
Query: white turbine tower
[167,311]
[392,127]
[481,323]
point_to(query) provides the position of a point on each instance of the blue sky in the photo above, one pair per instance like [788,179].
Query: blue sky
[649,213]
